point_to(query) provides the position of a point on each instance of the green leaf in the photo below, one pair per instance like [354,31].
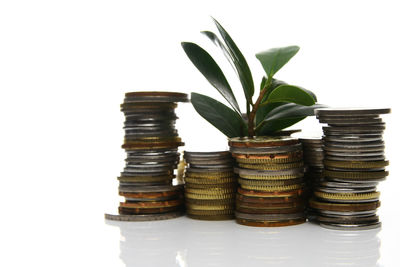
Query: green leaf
[264,109]
[211,71]
[214,38]
[285,116]
[219,115]
[243,70]
[291,94]
[274,59]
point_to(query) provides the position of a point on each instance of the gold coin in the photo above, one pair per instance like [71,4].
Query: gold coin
[211,191]
[344,206]
[228,201]
[347,196]
[269,183]
[277,177]
[210,175]
[356,164]
[206,181]
[273,188]
[207,196]
[262,141]
[212,217]
[230,186]
[266,167]
[277,194]
[209,212]
[209,207]
[356,175]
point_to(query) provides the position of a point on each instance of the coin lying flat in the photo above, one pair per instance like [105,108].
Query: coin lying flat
[144,217]
[155,97]
[270,223]
[351,111]
[344,206]
[351,227]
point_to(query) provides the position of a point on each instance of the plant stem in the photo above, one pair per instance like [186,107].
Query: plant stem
[253,112]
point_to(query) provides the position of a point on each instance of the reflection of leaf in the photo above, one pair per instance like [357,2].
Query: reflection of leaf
[274,59]
[211,71]
[219,115]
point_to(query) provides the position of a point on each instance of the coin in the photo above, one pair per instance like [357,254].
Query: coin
[351,227]
[144,217]
[274,166]
[278,194]
[212,217]
[343,206]
[348,197]
[263,173]
[155,97]
[265,150]
[351,111]
[356,164]
[262,141]
[270,223]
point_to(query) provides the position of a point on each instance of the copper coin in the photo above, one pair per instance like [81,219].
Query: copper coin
[262,200]
[330,206]
[269,211]
[152,204]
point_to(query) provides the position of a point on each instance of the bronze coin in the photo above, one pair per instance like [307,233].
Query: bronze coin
[152,204]
[270,211]
[132,211]
[274,199]
[348,219]
[350,207]
[151,195]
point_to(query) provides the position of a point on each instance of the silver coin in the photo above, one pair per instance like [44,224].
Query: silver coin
[199,155]
[350,120]
[358,181]
[144,217]
[171,99]
[131,199]
[354,145]
[311,141]
[265,150]
[211,167]
[354,130]
[357,150]
[228,161]
[150,160]
[141,174]
[123,185]
[364,213]
[155,165]
[344,139]
[293,171]
[351,227]
[354,169]
[341,190]
[150,189]
[348,184]
[354,154]
[133,170]
[132,134]
[269,217]
[354,158]
[351,111]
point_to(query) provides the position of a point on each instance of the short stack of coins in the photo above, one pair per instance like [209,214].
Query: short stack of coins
[210,185]
[313,157]
[271,184]
[354,164]
[151,143]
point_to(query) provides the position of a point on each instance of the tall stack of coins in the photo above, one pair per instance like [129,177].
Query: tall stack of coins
[210,185]
[313,156]
[151,142]
[271,185]
[354,164]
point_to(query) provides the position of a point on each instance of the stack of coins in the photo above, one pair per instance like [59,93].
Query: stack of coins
[151,142]
[313,157]
[210,185]
[271,185]
[354,164]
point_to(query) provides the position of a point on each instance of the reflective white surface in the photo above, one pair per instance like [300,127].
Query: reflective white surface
[186,242]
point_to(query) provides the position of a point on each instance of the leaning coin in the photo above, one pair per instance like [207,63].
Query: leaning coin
[144,217]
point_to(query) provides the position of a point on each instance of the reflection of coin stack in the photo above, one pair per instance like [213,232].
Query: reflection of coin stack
[271,191]
[313,157]
[354,163]
[210,185]
[151,142]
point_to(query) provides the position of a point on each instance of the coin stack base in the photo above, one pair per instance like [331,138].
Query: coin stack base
[210,185]
[354,164]
[151,142]
[271,185]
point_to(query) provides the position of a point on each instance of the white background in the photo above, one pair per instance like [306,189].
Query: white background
[64,69]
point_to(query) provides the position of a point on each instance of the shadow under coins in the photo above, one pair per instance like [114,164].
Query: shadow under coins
[186,243]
